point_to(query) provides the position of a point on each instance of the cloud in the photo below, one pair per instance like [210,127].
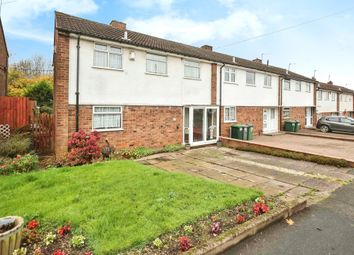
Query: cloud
[164,5]
[18,16]
[227,3]
[236,24]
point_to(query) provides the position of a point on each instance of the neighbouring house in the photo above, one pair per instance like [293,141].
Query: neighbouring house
[140,90]
[334,100]
[4,60]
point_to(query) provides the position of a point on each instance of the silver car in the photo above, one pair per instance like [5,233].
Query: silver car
[336,123]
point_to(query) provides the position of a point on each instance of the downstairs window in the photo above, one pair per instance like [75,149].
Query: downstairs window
[107,118]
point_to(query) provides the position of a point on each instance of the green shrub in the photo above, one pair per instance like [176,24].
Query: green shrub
[16,144]
[172,148]
[20,164]
[134,153]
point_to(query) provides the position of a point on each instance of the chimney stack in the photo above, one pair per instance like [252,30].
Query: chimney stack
[119,25]
[257,60]
[207,47]
[330,83]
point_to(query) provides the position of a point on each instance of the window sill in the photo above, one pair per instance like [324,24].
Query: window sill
[191,78]
[108,130]
[266,87]
[251,85]
[231,83]
[108,68]
[230,121]
[157,74]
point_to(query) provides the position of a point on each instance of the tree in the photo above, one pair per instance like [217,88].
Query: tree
[33,67]
[42,92]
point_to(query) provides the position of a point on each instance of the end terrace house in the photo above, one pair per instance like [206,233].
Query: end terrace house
[140,90]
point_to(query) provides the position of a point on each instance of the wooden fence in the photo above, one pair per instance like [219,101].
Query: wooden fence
[42,128]
[16,111]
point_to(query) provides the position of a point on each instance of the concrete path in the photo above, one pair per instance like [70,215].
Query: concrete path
[331,135]
[324,228]
[272,175]
[315,145]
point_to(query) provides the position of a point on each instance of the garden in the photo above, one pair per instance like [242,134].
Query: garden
[99,201]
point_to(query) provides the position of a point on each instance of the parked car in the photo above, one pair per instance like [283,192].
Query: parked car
[336,123]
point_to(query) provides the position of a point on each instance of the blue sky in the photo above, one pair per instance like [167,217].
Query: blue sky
[326,45]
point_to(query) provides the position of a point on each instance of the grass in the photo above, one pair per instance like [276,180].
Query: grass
[296,155]
[118,204]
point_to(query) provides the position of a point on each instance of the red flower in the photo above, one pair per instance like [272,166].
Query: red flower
[59,252]
[184,244]
[64,230]
[260,208]
[33,224]
[88,253]
[240,218]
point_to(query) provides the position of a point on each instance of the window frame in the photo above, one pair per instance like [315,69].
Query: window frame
[298,86]
[268,78]
[235,113]
[286,82]
[108,51]
[327,97]
[319,95]
[230,70]
[156,54]
[286,109]
[185,64]
[102,113]
[308,87]
[333,96]
[254,78]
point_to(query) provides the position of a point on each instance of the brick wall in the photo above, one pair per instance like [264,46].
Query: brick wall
[148,126]
[3,63]
[244,115]
[296,113]
[213,83]
[61,81]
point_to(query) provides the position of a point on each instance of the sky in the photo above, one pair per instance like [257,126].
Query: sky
[324,42]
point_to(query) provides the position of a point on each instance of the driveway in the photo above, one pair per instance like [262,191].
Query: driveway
[272,175]
[331,135]
[324,228]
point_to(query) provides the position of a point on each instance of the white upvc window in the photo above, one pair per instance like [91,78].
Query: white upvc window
[229,113]
[106,118]
[298,86]
[333,96]
[230,75]
[267,81]
[327,95]
[349,98]
[286,113]
[107,56]
[319,95]
[250,78]
[156,64]
[286,85]
[308,87]
[191,69]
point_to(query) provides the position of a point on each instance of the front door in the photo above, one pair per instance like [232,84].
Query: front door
[270,120]
[308,117]
[200,125]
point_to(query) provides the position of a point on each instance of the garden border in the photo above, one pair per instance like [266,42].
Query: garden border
[250,228]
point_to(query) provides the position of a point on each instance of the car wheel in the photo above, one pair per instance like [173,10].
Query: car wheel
[324,129]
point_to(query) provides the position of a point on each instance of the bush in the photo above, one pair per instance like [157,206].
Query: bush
[83,148]
[134,153]
[172,148]
[42,92]
[16,144]
[20,164]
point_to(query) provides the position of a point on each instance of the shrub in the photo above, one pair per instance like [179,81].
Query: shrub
[157,243]
[32,224]
[78,241]
[216,228]
[20,164]
[260,208]
[188,229]
[64,230]
[184,244]
[83,148]
[172,148]
[42,92]
[135,153]
[49,238]
[16,144]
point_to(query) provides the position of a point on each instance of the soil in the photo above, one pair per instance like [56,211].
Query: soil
[6,224]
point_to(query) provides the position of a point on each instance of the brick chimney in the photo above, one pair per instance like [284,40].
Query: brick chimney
[207,47]
[119,25]
[257,60]
[330,83]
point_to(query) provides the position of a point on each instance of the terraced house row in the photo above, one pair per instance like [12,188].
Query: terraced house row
[140,90]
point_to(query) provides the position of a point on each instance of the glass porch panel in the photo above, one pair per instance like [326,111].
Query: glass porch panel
[211,124]
[186,125]
[198,125]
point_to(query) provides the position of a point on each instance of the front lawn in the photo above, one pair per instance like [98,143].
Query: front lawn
[118,204]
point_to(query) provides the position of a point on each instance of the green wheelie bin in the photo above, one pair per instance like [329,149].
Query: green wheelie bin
[290,126]
[237,132]
[249,132]
[297,126]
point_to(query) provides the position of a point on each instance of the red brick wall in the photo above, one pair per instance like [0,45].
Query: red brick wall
[3,64]
[148,126]
[296,113]
[61,81]
[213,83]
[244,115]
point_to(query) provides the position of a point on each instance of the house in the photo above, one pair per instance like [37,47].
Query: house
[334,100]
[140,90]
[4,56]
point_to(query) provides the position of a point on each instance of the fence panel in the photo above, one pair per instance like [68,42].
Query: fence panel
[43,133]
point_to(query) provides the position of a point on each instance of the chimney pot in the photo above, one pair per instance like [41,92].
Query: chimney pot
[257,60]
[207,47]
[330,83]
[119,25]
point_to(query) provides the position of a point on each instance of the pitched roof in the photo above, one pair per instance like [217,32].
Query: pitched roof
[76,25]
[337,88]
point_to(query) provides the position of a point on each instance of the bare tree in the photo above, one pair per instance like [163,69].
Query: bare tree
[35,66]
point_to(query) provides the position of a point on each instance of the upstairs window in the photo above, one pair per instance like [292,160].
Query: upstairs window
[107,118]
[230,114]
[319,95]
[107,56]
[327,96]
[350,99]
[286,85]
[191,70]
[230,75]
[297,86]
[156,64]
[267,81]
[333,96]
[308,87]
[251,78]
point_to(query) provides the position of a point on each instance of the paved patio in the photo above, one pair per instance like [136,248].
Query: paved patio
[330,135]
[272,175]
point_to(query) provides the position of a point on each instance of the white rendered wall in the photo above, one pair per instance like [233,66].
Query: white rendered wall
[132,86]
[292,98]
[327,105]
[347,103]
